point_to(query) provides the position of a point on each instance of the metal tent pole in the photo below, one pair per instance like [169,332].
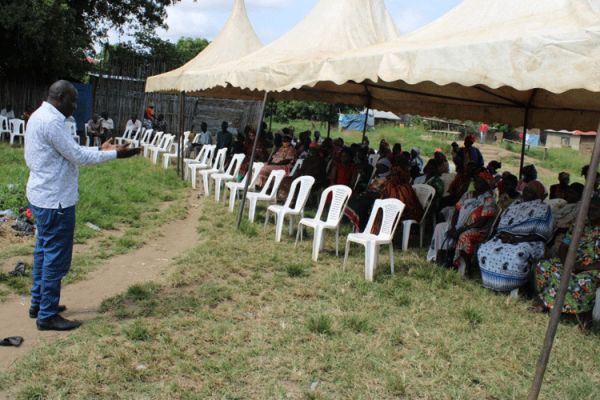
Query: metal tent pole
[180,133]
[525,128]
[329,121]
[566,273]
[249,173]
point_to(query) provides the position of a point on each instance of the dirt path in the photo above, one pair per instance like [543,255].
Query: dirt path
[149,263]
[497,153]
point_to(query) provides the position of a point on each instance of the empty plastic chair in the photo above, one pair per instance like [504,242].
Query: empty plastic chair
[72,127]
[137,142]
[166,145]
[340,195]
[232,172]
[218,167]
[156,141]
[299,193]
[4,127]
[126,135]
[268,192]
[391,211]
[17,130]
[237,187]
[425,194]
[203,160]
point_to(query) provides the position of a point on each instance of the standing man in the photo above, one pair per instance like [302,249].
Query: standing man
[224,137]
[468,154]
[483,131]
[53,159]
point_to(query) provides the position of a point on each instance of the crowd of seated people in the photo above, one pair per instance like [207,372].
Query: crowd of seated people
[491,224]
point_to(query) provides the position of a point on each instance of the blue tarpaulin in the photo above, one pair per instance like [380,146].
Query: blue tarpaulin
[355,122]
[84,104]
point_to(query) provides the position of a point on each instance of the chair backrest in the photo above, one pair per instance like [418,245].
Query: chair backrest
[128,132]
[17,125]
[373,158]
[209,155]
[85,128]
[138,133]
[271,187]
[219,160]
[72,127]
[391,211]
[340,196]
[4,123]
[302,185]
[297,166]
[256,168]
[156,140]
[146,136]
[425,194]
[186,135]
[233,169]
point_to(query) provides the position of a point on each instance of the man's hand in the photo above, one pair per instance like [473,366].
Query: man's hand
[107,146]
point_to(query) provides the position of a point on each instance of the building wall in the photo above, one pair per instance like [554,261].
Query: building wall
[554,140]
[586,146]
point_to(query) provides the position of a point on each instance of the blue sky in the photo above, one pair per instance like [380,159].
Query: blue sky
[272,18]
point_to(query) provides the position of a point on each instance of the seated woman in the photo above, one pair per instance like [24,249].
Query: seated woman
[524,229]
[344,170]
[398,186]
[282,159]
[507,189]
[470,224]
[585,279]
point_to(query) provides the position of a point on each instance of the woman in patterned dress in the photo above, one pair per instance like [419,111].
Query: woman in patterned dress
[470,224]
[506,260]
[584,280]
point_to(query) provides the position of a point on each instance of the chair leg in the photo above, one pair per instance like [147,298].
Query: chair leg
[317,243]
[218,190]
[422,235]
[337,242]
[371,258]
[205,181]
[406,225]
[267,220]
[252,208]
[193,177]
[232,195]
[392,258]
[346,254]
[291,228]
[279,222]
[298,235]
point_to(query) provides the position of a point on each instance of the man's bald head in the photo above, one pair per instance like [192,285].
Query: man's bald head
[63,95]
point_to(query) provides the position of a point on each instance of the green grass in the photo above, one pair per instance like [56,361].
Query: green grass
[232,322]
[128,199]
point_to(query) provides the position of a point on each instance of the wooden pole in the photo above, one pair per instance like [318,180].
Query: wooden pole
[273,108]
[252,156]
[180,134]
[364,133]
[524,142]
[566,273]
[329,121]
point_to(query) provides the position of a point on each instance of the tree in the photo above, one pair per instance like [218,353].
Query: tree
[43,40]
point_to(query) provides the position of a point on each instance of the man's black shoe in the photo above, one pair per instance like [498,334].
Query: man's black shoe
[33,311]
[57,323]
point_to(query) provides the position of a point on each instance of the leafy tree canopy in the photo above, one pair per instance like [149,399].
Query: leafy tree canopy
[46,39]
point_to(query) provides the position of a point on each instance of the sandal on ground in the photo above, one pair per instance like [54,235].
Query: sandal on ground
[14,341]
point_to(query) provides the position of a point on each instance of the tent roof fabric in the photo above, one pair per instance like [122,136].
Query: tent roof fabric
[237,39]
[332,27]
[485,60]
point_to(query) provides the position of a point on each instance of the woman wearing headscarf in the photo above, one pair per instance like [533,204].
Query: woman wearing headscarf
[585,278]
[470,224]
[524,229]
[281,160]
[415,159]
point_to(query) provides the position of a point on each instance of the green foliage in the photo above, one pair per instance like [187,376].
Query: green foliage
[320,324]
[48,39]
[296,270]
[286,111]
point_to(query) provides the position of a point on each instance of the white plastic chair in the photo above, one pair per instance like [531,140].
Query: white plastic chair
[126,135]
[373,159]
[4,127]
[203,160]
[156,141]
[17,130]
[237,187]
[297,166]
[166,145]
[556,204]
[340,196]
[232,172]
[425,194]
[268,192]
[218,166]
[302,186]
[145,138]
[72,127]
[391,212]
[167,157]
[87,137]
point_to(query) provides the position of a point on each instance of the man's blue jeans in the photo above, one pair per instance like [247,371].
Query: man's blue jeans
[52,257]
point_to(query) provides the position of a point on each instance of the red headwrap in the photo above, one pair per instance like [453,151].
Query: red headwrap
[470,139]
[488,177]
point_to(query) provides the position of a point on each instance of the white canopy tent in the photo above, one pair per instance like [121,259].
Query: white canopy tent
[236,40]
[332,27]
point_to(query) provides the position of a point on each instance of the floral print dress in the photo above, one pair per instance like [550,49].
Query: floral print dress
[581,294]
